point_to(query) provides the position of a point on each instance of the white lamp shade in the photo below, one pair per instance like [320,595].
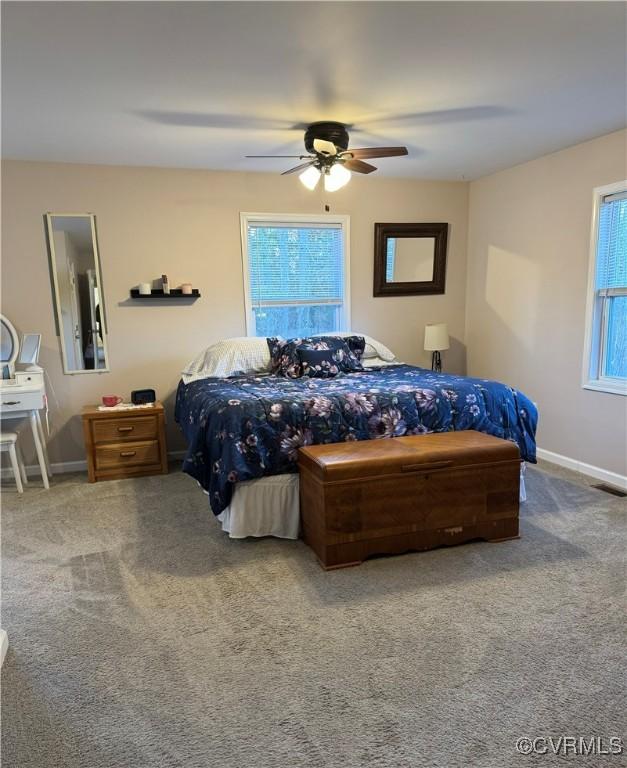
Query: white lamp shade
[336,178]
[310,177]
[436,337]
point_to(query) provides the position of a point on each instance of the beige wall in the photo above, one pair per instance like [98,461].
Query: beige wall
[186,224]
[528,253]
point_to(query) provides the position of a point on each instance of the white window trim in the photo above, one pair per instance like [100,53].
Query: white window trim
[296,218]
[593,339]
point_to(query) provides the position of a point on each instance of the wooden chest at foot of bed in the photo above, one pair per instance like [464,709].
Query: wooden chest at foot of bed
[395,495]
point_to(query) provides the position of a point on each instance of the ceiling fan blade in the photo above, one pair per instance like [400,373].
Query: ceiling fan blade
[300,167]
[219,120]
[359,166]
[438,116]
[366,152]
[324,147]
[297,157]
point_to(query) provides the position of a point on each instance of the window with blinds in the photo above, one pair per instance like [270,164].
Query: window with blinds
[295,275]
[608,349]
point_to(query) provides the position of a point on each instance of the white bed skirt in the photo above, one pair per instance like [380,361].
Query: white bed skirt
[269,507]
[264,507]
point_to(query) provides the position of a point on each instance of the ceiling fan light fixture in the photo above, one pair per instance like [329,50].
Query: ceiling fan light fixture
[310,177]
[328,154]
[336,177]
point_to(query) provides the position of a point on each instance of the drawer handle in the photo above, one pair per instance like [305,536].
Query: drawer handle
[125,429]
[12,402]
[428,465]
[127,453]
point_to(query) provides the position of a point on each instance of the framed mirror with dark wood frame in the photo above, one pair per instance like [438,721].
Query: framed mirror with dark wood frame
[409,259]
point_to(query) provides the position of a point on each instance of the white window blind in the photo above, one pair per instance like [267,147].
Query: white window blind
[296,277]
[389,259]
[611,267]
[608,319]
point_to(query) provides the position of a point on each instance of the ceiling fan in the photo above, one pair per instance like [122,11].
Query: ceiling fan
[329,156]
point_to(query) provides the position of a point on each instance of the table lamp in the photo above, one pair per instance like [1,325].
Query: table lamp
[436,340]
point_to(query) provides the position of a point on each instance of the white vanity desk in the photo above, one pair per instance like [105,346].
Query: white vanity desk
[80,322]
[23,394]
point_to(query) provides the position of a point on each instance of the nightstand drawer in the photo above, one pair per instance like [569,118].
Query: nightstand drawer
[118,455]
[127,428]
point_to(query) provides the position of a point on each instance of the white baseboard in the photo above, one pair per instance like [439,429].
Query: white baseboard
[33,470]
[4,645]
[63,467]
[612,478]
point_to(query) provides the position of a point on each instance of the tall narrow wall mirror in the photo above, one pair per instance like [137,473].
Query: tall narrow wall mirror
[409,259]
[77,291]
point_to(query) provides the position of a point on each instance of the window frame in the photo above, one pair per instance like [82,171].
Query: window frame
[295,218]
[597,308]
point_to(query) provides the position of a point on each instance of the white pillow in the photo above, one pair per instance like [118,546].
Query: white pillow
[373,348]
[244,354]
[378,362]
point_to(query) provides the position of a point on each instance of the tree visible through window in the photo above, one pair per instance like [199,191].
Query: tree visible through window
[296,281]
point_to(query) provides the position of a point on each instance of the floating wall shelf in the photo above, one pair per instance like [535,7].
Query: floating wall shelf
[175,293]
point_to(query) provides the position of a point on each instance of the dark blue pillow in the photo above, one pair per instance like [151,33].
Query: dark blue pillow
[317,363]
[285,361]
[277,350]
[356,344]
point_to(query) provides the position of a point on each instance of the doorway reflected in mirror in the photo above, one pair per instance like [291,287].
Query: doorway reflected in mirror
[77,288]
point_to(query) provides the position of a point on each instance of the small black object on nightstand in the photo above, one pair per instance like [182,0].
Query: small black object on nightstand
[143,396]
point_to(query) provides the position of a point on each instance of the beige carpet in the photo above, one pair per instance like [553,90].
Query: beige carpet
[141,636]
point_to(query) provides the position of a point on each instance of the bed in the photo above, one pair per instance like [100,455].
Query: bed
[241,429]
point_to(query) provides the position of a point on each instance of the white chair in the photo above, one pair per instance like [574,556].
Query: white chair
[8,442]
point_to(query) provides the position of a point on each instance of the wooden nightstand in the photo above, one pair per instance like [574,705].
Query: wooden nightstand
[125,443]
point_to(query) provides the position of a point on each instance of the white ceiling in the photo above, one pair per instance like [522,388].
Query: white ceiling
[470,88]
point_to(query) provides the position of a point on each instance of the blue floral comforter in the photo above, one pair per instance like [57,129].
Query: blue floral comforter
[246,427]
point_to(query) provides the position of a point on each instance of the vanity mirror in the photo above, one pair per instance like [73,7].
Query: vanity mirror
[409,259]
[77,291]
[9,347]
